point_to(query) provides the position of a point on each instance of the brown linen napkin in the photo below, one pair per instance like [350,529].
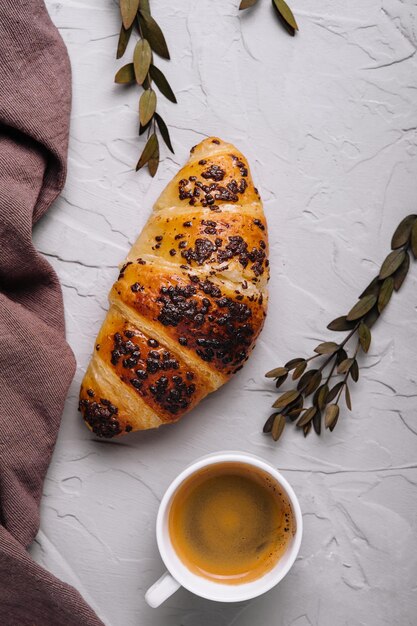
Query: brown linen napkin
[36,364]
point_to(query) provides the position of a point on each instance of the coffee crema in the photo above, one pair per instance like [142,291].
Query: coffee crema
[230,522]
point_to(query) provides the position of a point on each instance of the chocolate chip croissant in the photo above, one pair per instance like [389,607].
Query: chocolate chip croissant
[189,302]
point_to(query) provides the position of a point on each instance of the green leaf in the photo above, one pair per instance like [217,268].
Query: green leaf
[153,33]
[327,347]
[331,416]
[307,416]
[278,427]
[414,239]
[286,15]
[128,10]
[124,37]
[391,263]
[277,372]
[385,293]
[163,129]
[246,4]
[401,272]
[402,233]
[126,75]
[161,82]
[364,336]
[362,307]
[340,324]
[286,398]
[142,57]
[147,106]
[148,151]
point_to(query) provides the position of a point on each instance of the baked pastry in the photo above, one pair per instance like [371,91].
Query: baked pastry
[189,302]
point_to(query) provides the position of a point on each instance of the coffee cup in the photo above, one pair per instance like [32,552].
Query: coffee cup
[179,575]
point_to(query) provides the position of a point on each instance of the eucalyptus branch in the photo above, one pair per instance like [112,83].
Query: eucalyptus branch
[357,323]
[282,10]
[143,71]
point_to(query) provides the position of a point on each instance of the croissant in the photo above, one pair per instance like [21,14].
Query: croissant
[189,302]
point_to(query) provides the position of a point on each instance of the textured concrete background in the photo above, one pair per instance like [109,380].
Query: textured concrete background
[328,121]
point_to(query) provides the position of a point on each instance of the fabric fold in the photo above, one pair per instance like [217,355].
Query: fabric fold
[36,363]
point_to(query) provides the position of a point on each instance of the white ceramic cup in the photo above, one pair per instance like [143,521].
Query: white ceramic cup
[178,575]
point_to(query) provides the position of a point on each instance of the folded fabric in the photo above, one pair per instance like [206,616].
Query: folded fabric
[36,364]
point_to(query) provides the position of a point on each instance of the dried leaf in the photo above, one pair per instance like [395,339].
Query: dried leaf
[161,82]
[124,37]
[391,263]
[317,423]
[385,293]
[327,347]
[344,366]
[347,398]
[128,10]
[277,372]
[142,57]
[305,379]
[163,129]
[414,240]
[313,383]
[126,75]
[307,416]
[401,272]
[153,162]
[362,307]
[268,424]
[402,233]
[354,371]
[246,4]
[147,106]
[293,363]
[143,129]
[364,336]
[334,391]
[331,416]
[340,324]
[153,33]
[299,370]
[341,355]
[372,317]
[148,151]
[285,399]
[278,427]
[372,289]
[322,394]
[306,429]
[286,15]
[281,380]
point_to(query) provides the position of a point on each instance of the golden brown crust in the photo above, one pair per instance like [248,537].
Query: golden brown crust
[189,302]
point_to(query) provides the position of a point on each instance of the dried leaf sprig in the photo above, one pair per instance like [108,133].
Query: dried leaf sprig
[143,71]
[282,10]
[320,381]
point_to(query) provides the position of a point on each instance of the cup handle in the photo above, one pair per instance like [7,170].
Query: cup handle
[162,589]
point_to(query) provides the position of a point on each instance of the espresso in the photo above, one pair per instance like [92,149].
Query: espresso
[230,522]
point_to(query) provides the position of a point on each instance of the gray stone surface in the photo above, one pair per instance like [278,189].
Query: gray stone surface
[328,122]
